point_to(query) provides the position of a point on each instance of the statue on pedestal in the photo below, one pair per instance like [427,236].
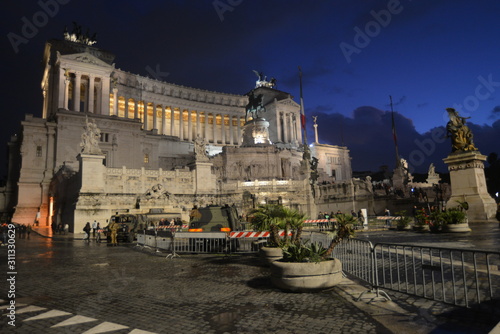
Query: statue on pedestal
[254,106]
[90,138]
[461,136]
[200,152]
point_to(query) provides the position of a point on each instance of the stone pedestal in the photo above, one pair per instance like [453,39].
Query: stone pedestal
[93,173]
[204,179]
[400,179]
[256,133]
[468,184]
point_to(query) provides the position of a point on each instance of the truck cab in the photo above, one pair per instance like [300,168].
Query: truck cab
[214,219]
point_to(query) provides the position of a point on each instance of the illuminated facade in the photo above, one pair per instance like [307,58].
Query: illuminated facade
[147,135]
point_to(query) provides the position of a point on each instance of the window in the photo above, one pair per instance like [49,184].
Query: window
[104,137]
[146,158]
[39,151]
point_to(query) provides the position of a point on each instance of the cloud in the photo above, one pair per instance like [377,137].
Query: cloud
[368,136]
[495,113]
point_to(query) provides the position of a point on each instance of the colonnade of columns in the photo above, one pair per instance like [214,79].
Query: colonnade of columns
[180,122]
[288,128]
[86,92]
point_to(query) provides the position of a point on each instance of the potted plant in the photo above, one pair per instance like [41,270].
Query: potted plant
[273,219]
[455,220]
[421,221]
[306,267]
[403,221]
[436,222]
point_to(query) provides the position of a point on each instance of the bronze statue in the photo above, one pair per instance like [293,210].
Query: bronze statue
[254,106]
[461,136]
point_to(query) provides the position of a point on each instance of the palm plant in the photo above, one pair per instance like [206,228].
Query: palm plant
[342,229]
[274,218]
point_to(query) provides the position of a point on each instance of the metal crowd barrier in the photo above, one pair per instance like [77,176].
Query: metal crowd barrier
[460,277]
[201,242]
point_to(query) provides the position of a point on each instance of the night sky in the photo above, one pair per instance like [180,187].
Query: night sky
[428,55]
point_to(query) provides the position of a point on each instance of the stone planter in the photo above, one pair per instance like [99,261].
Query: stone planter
[306,276]
[270,254]
[455,228]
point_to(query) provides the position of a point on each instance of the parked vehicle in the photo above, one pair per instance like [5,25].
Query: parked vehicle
[131,224]
[214,219]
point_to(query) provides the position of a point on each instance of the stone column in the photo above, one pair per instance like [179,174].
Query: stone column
[278,126]
[163,121]
[298,126]
[198,125]
[181,124]
[223,129]
[90,94]
[115,99]
[105,96]
[214,128]
[66,93]
[62,96]
[155,120]
[190,127]
[172,121]
[145,122]
[136,109]
[231,130]
[286,128]
[238,127]
[76,91]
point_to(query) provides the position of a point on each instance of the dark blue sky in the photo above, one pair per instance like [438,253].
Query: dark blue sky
[427,54]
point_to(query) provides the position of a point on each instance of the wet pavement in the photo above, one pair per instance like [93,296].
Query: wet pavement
[483,236]
[65,285]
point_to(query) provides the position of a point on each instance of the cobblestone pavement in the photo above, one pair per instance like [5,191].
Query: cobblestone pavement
[73,286]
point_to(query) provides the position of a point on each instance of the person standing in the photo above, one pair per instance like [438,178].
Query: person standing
[86,229]
[388,221]
[37,218]
[28,230]
[113,229]
[94,228]
[66,228]
[98,237]
[4,229]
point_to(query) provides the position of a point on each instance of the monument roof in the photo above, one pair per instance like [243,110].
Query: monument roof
[65,47]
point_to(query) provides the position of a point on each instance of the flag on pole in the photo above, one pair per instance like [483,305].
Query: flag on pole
[302,114]
[394,135]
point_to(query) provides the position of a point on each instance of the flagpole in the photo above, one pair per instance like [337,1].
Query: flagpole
[302,114]
[394,136]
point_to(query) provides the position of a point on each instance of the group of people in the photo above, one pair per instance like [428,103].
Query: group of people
[22,231]
[59,228]
[95,228]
